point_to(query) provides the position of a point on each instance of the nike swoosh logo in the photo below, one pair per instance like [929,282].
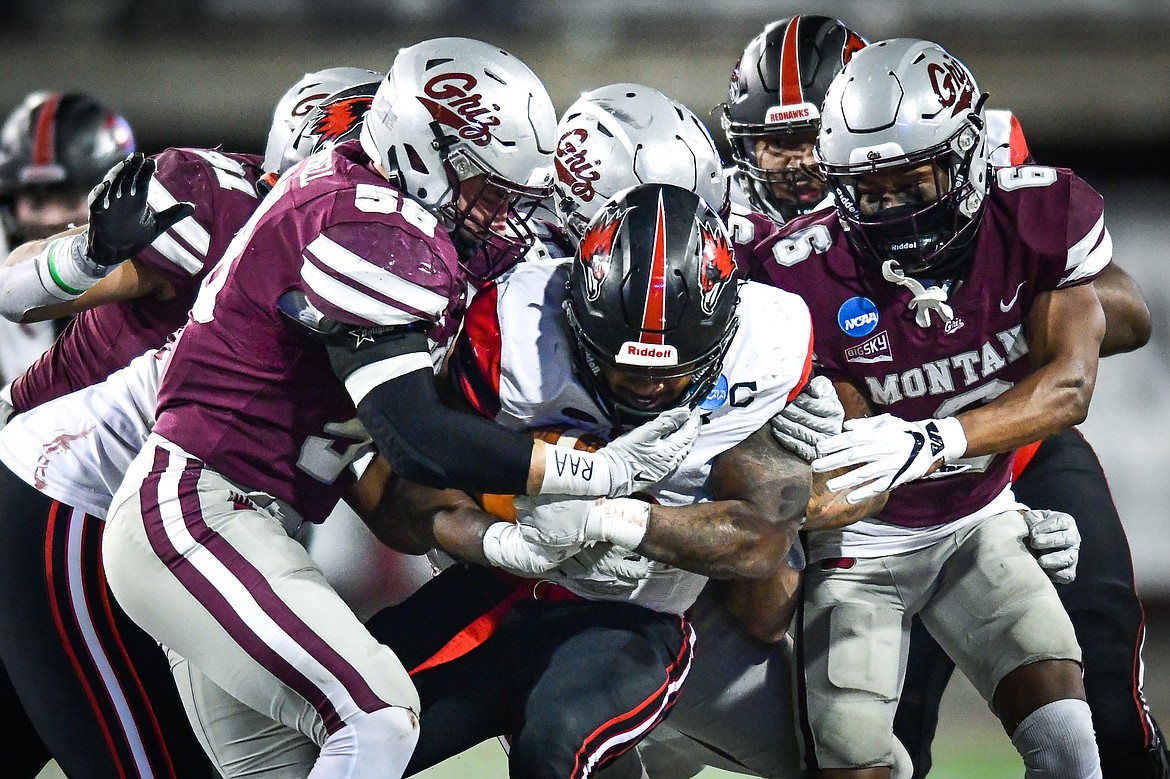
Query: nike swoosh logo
[1006,307]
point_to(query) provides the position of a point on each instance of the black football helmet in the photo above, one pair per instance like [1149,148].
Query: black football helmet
[61,140]
[776,93]
[57,146]
[652,292]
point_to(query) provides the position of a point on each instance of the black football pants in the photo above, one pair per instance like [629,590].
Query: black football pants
[574,683]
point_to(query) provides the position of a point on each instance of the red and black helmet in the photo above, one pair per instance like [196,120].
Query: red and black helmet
[777,89]
[63,142]
[653,291]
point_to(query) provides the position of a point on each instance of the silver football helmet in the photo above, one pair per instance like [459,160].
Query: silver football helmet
[300,99]
[622,135]
[336,119]
[900,105]
[467,130]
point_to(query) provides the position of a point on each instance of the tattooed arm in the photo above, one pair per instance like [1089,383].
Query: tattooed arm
[743,535]
[759,493]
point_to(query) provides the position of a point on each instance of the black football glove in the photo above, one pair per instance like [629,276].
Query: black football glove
[120,223]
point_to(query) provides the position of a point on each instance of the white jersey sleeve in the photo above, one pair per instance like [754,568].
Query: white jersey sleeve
[76,448]
[768,362]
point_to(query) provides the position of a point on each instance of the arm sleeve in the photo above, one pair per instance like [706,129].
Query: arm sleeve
[393,386]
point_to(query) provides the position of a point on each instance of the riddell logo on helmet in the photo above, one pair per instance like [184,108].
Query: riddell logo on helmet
[635,353]
[460,109]
[802,112]
[574,171]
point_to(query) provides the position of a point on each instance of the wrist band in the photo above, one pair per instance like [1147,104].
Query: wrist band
[572,472]
[623,521]
[64,269]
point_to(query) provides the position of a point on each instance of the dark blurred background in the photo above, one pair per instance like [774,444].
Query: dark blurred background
[1089,79]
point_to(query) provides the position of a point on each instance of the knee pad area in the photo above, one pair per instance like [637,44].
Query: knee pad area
[373,744]
[1056,742]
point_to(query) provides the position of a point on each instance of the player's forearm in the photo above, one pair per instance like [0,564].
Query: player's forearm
[417,519]
[29,288]
[721,539]
[1040,406]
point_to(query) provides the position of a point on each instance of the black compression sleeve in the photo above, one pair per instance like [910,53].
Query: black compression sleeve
[424,440]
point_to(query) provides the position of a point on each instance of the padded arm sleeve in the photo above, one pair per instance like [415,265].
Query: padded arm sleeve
[393,386]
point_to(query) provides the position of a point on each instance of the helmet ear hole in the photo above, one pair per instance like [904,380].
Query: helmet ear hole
[415,160]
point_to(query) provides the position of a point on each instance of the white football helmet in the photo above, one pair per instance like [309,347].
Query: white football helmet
[622,135]
[336,119]
[300,99]
[904,103]
[452,110]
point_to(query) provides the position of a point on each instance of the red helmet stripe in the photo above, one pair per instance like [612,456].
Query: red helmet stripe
[791,92]
[42,150]
[654,315]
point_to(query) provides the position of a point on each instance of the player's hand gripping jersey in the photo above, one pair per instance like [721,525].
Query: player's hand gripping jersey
[101,340]
[513,363]
[1043,230]
[254,396]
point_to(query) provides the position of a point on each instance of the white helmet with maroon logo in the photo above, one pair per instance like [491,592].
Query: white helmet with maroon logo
[621,135]
[455,109]
[904,103]
[301,98]
[653,291]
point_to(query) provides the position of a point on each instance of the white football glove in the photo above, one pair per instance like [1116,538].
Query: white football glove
[812,416]
[1056,542]
[558,522]
[604,569]
[504,547]
[646,454]
[888,452]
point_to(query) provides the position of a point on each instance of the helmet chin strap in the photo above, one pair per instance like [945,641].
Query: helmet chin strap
[925,299]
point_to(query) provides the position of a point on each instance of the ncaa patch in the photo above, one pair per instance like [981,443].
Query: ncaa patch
[717,396]
[857,317]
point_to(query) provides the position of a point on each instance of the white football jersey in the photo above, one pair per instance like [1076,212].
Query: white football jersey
[76,448]
[766,364]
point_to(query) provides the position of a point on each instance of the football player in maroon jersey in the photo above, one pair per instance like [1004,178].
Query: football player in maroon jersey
[96,686]
[785,67]
[921,280]
[318,329]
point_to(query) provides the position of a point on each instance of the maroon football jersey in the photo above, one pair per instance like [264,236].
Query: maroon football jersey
[1043,229]
[101,340]
[254,396]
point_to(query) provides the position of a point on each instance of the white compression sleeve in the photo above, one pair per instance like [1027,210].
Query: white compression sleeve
[60,272]
[1057,742]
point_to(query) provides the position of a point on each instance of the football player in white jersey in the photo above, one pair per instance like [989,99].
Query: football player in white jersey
[653,317]
[54,147]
